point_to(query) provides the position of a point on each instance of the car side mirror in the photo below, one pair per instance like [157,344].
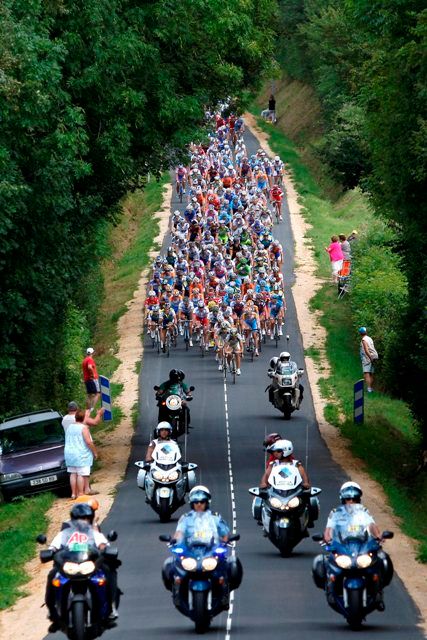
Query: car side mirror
[388,535]
[165,537]
[112,535]
[192,388]
[41,538]
[46,555]
[234,537]
[317,537]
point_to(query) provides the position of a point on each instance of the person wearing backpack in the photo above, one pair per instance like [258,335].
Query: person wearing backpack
[368,356]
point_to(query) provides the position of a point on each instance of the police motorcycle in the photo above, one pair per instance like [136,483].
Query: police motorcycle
[285,390]
[80,583]
[353,572]
[285,510]
[202,571]
[166,480]
[172,403]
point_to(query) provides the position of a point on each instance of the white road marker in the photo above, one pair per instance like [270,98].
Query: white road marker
[233,506]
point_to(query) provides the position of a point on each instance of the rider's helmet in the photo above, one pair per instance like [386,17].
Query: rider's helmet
[271,439]
[174,375]
[233,331]
[200,493]
[151,293]
[285,446]
[276,159]
[163,425]
[200,304]
[181,375]
[285,356]
[350,490]
[82,511]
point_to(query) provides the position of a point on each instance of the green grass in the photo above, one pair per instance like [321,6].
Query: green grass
[20,522]
[388,441]
[130,242]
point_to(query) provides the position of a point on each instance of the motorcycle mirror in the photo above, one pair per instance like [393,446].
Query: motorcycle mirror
[164,537]
[192,388]
[387,535]
[140,463]
[41,538]
[317,537]
[287,337]
[300,372]
[156,388]
[184,467]
[234,537]
[254,491]
[112,535]
[315,490]
[46,555]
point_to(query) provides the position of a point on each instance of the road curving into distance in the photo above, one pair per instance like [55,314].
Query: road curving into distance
[277,596]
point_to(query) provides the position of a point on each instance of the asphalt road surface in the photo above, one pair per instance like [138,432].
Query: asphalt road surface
[277,597]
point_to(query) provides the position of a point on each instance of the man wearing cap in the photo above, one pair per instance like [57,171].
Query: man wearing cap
[91,379]
[368,356]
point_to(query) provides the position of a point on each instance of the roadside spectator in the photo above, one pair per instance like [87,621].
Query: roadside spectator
[368,356]
[345,247]
[79,453]
[91,379]
[353,236]
[335,256]
[70,417]
[270,113]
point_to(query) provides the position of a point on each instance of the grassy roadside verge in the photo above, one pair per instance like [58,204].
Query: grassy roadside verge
[387,442]
[130,242]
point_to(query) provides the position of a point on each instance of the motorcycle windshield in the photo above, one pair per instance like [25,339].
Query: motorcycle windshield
[285,477]
[78,541]
[286,368]
[350,530]
[203,531]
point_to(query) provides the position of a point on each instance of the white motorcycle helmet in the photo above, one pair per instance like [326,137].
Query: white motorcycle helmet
[163,425]
[199,493]
[350,490]
[285,356]
[282,445]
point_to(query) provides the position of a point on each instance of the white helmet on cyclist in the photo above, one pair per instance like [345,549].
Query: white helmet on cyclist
[276,158]
[200,304]
[285,446]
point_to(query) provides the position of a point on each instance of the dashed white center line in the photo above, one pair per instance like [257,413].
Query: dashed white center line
[233,507]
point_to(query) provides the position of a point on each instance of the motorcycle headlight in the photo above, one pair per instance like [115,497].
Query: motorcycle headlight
[286,382]
[86,567]
[276,503]
[344,562]
[173,476]
[209,564]
[363,561]
[189,564]
[71,568]
[294,502]
[157,475]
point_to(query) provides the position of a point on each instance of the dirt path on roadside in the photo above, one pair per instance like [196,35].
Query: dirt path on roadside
[401,548]
[27,619]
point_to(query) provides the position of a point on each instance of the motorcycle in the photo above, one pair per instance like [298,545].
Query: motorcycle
[285,510]
[173,408]
[201,577]
[284,392]
[353,572]
[80,584]
[166,480]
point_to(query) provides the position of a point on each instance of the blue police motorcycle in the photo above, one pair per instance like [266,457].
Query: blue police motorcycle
[353,572]
[201,577]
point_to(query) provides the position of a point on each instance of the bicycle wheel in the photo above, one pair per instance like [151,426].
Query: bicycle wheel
[233,368]
[202,345]
[252,347]
[158,341]
[276,334]
[180,192]
[167,344]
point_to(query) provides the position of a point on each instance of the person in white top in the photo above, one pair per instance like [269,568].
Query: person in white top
[368,356]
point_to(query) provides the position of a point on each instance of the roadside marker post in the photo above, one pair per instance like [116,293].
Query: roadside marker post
[106,398]
[358,406]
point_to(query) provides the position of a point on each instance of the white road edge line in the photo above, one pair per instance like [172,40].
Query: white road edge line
[233,506]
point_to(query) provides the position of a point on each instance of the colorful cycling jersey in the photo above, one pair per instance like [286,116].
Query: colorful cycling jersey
[238,308]
[175,303]
[201,312]
[151,301]
[168,317]
[251,323]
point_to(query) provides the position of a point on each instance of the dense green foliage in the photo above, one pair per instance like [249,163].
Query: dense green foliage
[366,60]
[94,95]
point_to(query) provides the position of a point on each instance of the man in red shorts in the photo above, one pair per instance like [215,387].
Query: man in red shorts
[91,379]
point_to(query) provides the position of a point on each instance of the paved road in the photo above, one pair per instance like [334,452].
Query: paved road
[277,597]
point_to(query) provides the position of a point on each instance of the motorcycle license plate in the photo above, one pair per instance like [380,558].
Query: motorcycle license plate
[44,480]
[164,492]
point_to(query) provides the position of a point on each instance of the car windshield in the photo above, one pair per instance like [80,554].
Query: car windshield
[31,435]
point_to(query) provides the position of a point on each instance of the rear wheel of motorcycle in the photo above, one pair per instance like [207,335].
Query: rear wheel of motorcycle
[78,614]
[284,543]
[355,608]
[200,611]
[164,510]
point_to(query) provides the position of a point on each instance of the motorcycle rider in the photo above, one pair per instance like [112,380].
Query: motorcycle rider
[270,439]
[284,358]
[176,377]
[163,433]
[82,519]
[282,451]
[352,512]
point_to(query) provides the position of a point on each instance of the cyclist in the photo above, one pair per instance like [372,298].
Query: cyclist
[185,314]
[201,321]
[251,325]
[276,195]
[180,177]
[168,324]
[234,344]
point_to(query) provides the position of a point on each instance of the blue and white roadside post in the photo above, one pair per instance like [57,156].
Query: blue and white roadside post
[106,398]
[358,402]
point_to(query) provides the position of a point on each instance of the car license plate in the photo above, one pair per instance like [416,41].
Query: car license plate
[45,480]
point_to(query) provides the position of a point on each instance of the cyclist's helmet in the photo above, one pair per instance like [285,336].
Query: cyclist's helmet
[350,490]
[200,304]
[271,439]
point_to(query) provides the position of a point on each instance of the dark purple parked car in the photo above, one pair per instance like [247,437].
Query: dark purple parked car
[32,454]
